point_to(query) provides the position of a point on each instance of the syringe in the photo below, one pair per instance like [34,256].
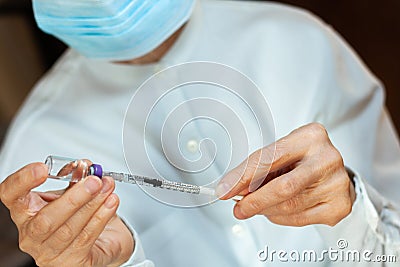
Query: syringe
[73,170]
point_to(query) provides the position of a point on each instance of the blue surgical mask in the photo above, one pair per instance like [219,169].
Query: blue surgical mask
[112,29]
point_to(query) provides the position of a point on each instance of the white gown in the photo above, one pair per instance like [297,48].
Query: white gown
[305,71]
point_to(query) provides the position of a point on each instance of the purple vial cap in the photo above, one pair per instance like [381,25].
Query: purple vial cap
[96,169]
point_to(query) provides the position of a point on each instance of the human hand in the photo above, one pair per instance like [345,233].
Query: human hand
[298,180]
[78,227]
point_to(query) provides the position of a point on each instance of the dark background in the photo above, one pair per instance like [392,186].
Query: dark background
[371,27]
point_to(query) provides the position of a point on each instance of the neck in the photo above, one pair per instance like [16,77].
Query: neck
[155,55]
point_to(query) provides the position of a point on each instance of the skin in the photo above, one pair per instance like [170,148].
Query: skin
[305,183]
[80,221]
[77,226]
[298,180]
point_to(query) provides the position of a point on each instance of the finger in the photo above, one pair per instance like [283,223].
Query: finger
[296,204]
[311,196]
[64,235]
[276,191]
[83,243]
[17,186]
[319,214]
[281,154]
[269,177]
[255,169]
[51,217]
[50,196]
[324,213]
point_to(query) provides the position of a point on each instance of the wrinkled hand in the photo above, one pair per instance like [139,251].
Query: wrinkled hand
[78,227]
[298,180]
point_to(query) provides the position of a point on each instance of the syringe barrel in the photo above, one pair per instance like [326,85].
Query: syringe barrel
[73,170]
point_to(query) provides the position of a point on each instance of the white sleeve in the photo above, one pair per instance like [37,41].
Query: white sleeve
[351,101]
[138,258]
[372,229]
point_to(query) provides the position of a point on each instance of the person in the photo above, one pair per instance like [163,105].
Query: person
[331,184]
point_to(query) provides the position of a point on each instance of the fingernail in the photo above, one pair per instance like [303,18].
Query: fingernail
[92,184]
[239,213]
[222,189]
[106,185]
[110,202]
